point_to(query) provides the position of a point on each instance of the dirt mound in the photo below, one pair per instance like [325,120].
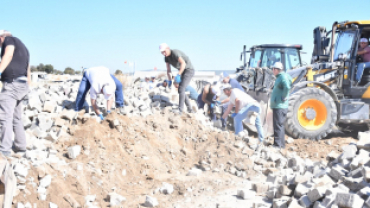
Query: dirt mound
[132,159]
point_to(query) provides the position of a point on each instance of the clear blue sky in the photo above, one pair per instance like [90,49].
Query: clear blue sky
[212,33]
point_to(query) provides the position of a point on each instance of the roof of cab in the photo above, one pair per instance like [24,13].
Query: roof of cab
[297,46]
[359,22]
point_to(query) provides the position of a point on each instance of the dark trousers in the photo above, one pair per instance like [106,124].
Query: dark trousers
[279,118]
[85,87]
[185,80]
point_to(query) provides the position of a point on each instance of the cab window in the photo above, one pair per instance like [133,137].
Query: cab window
[256,61]
[270,57]
[292,60]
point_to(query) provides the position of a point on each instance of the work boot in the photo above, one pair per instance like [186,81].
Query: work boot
[121,110]
[176,112]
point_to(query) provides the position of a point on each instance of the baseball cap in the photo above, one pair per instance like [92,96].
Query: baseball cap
[226,86]
[108,91]
[163,46]
[5,32]
[216,91]
[278,65]
[364,40]
[223,75]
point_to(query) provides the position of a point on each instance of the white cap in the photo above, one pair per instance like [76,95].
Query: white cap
[5,32]
[278,65]
[226,86]
[364,40]
[108,90]
[163,46]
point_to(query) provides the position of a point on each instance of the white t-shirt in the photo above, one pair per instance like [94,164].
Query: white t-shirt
[244,98]
[98,77]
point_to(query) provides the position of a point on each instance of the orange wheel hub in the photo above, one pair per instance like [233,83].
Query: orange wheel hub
[312,114]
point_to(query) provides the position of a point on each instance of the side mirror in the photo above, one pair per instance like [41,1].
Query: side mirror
[342,57]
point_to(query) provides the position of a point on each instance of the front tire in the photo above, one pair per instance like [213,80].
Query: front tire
[312,114]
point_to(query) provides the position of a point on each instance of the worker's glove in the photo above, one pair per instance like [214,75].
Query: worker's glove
[233,115]
[108,111]
[178,78]
[101,116]
[169,84]
[218,102]
[212,105]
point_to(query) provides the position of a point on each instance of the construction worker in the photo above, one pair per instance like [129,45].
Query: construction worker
[243,104]
[279,103]
[364,52]
[193,93]
[15,73]
[180,61]
[225,79]
[98,80]
[209,96]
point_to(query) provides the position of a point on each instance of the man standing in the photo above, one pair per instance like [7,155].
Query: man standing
[279,103]
[180,61]
[14,72]
[243,103]
[98,80]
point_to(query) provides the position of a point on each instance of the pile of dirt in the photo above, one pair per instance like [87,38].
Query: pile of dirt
[133,156]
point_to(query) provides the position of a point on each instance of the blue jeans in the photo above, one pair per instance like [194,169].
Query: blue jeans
[85,87]
[201,106]
[242,114]
[224,107]
[360,70]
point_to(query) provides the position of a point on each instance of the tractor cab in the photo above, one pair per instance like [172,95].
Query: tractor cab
[258,79]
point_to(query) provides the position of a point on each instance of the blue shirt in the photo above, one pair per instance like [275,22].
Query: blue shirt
[193,93]
[235,84]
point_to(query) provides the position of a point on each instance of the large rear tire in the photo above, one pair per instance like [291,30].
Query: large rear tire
[312,114]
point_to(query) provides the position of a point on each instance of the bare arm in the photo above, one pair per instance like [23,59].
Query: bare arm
[183,65]
[361,52]
[7,58]
[169,71]
[96,109]
[237,105]
[226,100]
[227,111]
[109,103]
[29,75]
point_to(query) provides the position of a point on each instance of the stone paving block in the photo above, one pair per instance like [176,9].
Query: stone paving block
[68,114]
[301,190]
[348,200]
[246,194]
[51,136]
[39,133]
[337,172]
[316,194]
[364,140]
[354,184]
[49,107]
[260,188]
[304,201]
[294,204]
[285,190]
[74,151]
[150,201]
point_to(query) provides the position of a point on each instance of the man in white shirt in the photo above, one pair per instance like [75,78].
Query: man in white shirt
[243,104]
[99,81]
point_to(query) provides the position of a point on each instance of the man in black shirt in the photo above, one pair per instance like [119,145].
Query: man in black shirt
[14,72]
[180,61]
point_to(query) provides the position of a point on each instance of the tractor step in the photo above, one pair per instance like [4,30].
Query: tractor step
[354,110]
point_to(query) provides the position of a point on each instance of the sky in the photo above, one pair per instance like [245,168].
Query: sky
[109,33]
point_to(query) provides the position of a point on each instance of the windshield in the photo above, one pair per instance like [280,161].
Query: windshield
[270,57]
[344,44]
[255,62]
[292,60]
